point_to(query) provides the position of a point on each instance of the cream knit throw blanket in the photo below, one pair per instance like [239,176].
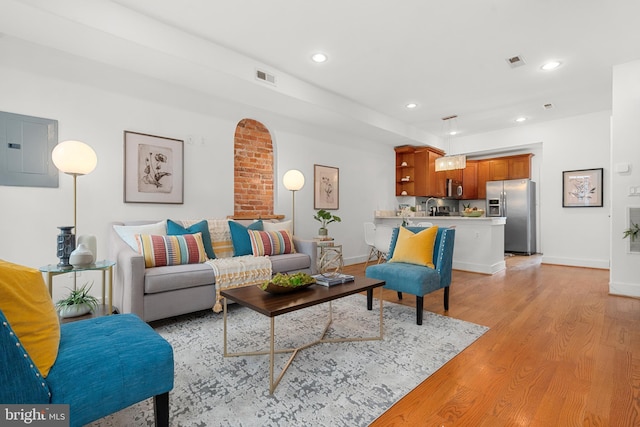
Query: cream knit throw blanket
[239,271]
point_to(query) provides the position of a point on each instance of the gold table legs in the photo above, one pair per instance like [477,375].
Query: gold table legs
[294,351]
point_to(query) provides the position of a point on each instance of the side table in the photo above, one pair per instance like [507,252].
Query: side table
[53,270]
[330,262]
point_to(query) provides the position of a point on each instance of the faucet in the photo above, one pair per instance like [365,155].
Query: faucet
[426,204]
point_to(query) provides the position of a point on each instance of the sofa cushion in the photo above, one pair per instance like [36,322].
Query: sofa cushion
[175,229]
[162,279]
[128,232]
[280,225]
[159,251]
[415,248]
[290,262]
[271,242]
[240,237]
[30,311]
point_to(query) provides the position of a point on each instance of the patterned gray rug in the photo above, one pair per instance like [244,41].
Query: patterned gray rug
[331,384]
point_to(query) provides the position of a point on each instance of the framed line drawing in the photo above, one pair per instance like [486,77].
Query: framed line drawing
[325,187]
[153,169]
[582,188]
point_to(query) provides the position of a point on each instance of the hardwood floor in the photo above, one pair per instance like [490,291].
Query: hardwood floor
[560,352]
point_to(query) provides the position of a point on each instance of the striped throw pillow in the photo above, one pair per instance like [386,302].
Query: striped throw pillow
[159,251]
[271,242]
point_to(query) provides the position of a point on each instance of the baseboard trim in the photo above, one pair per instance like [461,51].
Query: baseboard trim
[577,262]
[624,289]
[480,268]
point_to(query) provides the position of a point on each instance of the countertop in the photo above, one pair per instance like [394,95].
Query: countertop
[499,219]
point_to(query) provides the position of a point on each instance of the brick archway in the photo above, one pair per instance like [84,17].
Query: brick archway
[253,166]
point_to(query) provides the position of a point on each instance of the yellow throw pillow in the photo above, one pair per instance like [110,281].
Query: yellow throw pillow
[25,302]
[415,248]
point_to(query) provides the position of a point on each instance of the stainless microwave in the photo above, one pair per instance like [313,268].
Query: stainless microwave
[454,189]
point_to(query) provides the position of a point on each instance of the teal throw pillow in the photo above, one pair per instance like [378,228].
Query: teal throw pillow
[240,237]
[175,229]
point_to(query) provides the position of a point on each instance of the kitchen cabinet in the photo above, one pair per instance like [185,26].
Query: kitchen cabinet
[415,172]
[470,180]
[498,169]
[430,183]
[483,177]
[405,171]
[501,168]
[520,166]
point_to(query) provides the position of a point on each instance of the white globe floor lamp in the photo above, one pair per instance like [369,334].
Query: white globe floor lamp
[73,158]
[293,181]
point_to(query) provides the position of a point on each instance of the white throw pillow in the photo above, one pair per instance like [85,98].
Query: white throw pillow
[128,232]
[277,226]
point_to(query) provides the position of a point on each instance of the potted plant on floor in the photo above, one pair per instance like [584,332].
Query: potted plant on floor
[78,302]
[325,218]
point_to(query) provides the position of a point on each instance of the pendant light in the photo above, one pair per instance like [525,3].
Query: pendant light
[447,163]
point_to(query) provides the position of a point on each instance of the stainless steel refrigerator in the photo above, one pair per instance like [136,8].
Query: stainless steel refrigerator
[516,200]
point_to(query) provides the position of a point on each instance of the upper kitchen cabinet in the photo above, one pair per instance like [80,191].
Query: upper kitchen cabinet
[483,177]
[498,169]
[520,166]
[416,173]
[470,180]
[501,168]
[432,183]
[405,170]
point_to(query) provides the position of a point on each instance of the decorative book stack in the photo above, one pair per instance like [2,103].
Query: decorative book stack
[337,279]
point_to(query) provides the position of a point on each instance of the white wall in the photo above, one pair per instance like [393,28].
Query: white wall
[625,273]
[29,216]
[569,236]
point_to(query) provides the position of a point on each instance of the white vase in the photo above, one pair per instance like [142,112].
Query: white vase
[90,242]
[74,310]
[81,256]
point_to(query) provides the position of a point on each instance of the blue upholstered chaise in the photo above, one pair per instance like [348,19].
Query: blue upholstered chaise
[416,279]
[103,365]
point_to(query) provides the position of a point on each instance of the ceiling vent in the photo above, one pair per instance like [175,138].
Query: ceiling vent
[515,61]
[548,106]
[265,77]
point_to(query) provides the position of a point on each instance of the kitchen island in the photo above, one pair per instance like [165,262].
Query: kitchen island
[479,245]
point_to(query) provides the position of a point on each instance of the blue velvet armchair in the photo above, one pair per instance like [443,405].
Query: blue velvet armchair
[103,365]
[416,279]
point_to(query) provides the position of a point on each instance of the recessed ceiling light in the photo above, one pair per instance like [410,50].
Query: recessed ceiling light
[521,119]
[453,132]
[551,65]
[411,105]
[319,57]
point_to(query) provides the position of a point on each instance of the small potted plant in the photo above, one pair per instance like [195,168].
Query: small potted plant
[632,232]
[325,218]
[78,302]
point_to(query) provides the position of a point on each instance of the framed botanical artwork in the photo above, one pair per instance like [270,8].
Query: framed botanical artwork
[582,188]
[325,187]
[153,169]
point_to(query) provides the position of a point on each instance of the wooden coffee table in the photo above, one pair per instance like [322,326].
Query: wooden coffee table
[274,305]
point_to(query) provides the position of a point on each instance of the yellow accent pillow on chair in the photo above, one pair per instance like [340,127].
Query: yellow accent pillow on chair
[26,303]
[415,248]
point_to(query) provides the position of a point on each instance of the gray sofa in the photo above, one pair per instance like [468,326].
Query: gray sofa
[161,292]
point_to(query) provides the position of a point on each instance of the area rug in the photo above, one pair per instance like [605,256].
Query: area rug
[330,384]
